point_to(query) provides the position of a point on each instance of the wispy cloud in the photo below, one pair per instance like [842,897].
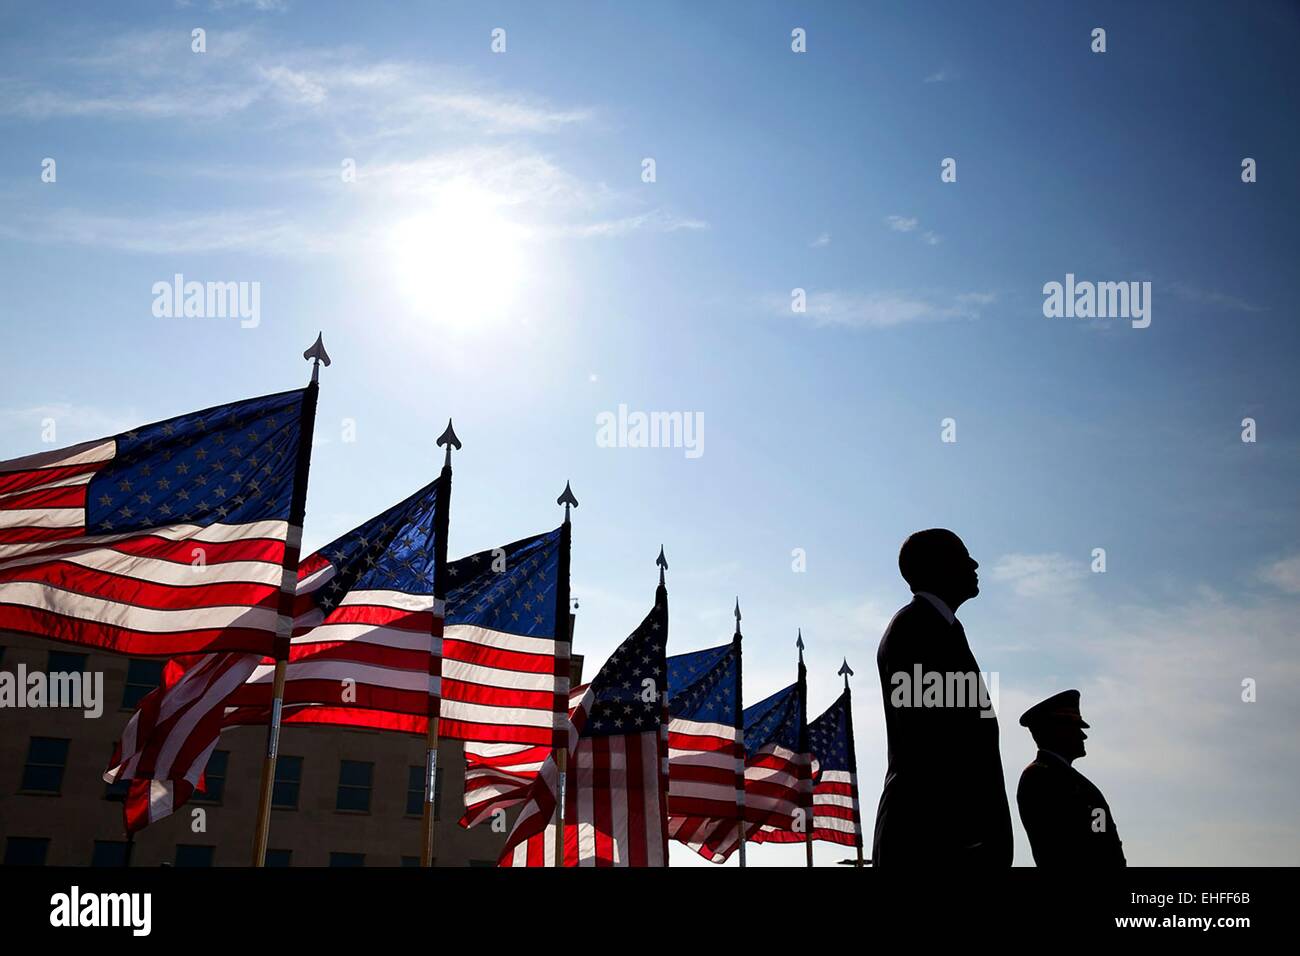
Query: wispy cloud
[865,310]
[912,224]
[656,220]
[821,242]
[939,76]
[1283,574]
[262,6]
[1039,575]
[341,103]
[151,75]
[1218,300]
[265,232]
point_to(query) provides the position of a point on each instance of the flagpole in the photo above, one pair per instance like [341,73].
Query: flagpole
[847,671]
[738,720]
[664,718]
[433,711]
[560,736]
[805,794]
[288,589]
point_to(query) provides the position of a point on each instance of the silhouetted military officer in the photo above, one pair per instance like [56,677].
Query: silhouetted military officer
[1065,815]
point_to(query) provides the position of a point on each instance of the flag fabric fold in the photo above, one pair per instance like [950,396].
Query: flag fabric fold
[778,774]
[168,539]
[367,630]
[705,748]
[837,815]
[366,622]
[616,795]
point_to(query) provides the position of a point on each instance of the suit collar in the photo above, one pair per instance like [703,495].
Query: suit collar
[938,604]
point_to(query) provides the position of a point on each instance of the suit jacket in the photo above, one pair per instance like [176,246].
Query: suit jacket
[1058,808]
[944,798]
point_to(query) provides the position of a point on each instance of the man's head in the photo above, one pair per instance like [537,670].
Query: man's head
[1057,725]
[935,560]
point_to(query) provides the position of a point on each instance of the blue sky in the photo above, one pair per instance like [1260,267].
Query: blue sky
[499,259]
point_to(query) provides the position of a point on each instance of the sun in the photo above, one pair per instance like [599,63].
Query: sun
[459,261]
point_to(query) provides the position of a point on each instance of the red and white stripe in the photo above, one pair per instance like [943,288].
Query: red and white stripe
[614,803]
[168,740]
[381,641]
[503,688]
[371,652]
[836,813]
[498,776]
[133,593]
[778,785]
[705,770]
[532,839]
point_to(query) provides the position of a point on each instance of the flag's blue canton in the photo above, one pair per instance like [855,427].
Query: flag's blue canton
[828,736]
[393,551]
[229,464]
[776,720]
[621,702]
[510,589]
[702,685]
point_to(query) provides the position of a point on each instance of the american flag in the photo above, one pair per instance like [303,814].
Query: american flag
[506,653]
[367,625]
[368,628]
[706,760]
[499,776]
[168,539]
[507,667]
[617,775]
[168,740]
[778,772]
[837,817]
[503,676]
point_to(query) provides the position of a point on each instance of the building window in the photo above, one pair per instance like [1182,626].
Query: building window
[347,859]
[288,781]
[410,861]
[109,853]
[214,778]
[189,854]
[141,677]
[415,793]
[26,851]
[354,786]
[66,662]
[278,857]
[46,758]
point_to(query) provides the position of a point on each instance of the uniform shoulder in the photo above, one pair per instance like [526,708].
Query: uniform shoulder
[1040,775]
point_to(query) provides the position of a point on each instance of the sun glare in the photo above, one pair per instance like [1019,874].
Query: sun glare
[460,261]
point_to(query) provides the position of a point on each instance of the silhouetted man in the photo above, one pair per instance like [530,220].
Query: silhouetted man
[1066,817]
[944,800]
